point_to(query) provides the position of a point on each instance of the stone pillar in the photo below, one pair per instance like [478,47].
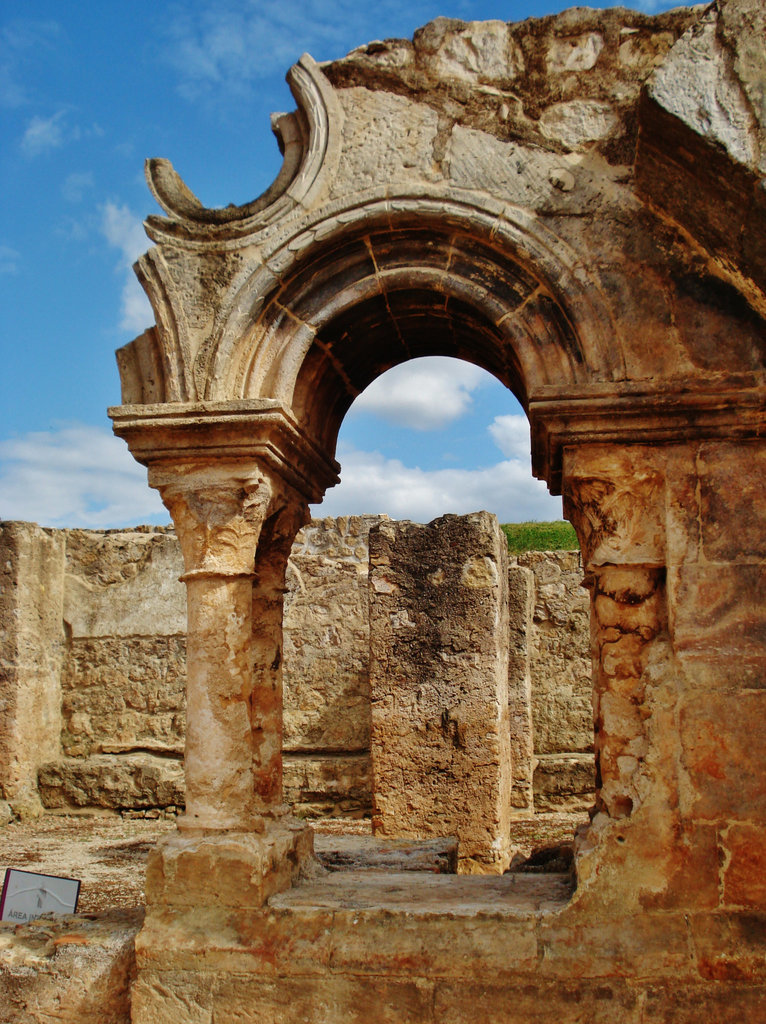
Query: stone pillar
[236,478]
[31,651]
[234,697]
[616,500]
[440,744]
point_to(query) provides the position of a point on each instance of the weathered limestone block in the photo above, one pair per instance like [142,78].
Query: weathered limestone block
[564,782]
[31,650]
[115,781]
[560,658]
[123,694]
[327,637]
[439,685]
[122,583]
[228,869]
[73,970]
[521,598]
[328,784]
[408,130]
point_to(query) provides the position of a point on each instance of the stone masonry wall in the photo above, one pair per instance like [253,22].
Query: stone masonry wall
[562,688]
[326,676]
[93,672]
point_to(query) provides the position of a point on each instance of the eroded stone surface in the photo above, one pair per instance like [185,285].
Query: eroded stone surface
[74,969]
[439,685]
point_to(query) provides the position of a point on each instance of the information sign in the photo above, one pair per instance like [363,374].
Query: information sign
[27,895]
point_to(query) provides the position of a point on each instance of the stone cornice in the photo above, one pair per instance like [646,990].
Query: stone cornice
[261,431]
[640,414]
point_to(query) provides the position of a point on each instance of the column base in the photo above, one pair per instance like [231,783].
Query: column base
[229,869]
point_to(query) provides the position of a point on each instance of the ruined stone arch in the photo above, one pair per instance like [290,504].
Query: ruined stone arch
[389,278]
[566,201]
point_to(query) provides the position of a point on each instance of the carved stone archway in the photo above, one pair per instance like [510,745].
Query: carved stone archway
[548,245]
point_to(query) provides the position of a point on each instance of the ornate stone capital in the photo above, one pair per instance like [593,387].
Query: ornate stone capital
[218,522]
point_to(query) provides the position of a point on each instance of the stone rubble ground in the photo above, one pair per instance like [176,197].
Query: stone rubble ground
[108,853]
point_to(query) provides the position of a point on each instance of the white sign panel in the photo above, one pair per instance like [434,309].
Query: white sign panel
[27,895]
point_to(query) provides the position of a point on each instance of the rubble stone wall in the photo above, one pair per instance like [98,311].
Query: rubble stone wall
[95,623]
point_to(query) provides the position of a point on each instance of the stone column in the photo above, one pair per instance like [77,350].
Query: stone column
[234,699]
[616,500]
[277,536]
[236,478]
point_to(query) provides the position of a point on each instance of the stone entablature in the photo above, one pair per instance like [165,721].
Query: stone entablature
[114,644]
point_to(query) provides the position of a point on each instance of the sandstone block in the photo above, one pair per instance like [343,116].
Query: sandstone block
[73,969]
[439,684]
[123,694]
[124,583]
[328,784]
[231,869]
[564,782]
[119,782]
[744,860]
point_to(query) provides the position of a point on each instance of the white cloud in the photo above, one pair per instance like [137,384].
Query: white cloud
[372,483]
[124,230]
[230,44]
[9,260]
[75,475]
[44,134]
[76,185]
[511,435]
[425,394]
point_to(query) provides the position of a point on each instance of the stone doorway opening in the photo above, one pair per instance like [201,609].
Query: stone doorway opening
[459,631]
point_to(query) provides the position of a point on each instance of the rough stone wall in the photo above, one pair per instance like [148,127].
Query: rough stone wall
[441,734]
[560,667]
[94,635]
[31,645]
[124,674]
[326,668]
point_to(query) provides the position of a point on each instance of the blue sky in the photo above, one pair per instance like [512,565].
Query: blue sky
[87,91]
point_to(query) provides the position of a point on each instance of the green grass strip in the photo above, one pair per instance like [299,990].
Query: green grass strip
[540,537]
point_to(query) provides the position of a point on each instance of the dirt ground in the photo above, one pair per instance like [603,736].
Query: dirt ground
[108,853]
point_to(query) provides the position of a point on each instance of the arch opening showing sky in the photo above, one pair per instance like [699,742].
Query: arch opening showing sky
[437,435]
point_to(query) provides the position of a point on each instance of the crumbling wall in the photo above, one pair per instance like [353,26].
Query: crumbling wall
[94,672]
[31,644]
[562,689]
